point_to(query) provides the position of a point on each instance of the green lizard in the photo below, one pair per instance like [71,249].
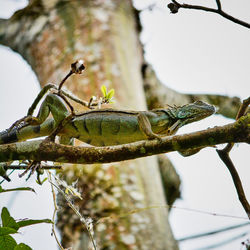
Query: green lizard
[106,127]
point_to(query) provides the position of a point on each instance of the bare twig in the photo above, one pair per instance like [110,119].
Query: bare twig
[200,235]
[87,222]
[236,179]
[55,210]
[243,108]
[227,241]
[175,6]
[224,155]
[76,68]
[18,167]
[218,4]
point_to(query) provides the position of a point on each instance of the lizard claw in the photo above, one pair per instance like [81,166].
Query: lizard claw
[23,122]
[32,167]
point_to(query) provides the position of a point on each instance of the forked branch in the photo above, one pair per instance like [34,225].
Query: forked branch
[175,6]
[224,155]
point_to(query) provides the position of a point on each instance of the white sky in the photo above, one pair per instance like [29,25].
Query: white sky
[191,51]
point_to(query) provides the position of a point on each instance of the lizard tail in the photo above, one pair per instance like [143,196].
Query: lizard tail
[8,137]
[27,132]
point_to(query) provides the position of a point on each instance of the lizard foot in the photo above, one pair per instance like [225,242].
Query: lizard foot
[145,127]
[32,167]
[52,136]
[23,122]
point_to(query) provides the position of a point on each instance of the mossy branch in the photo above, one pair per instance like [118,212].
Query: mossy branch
[44,150]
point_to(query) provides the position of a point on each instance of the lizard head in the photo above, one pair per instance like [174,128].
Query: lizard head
[194,112]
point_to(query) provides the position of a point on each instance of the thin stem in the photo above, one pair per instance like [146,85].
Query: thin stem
[224,155]
[200,235]
[218,4]
[217,11]
[55,210]
[17,167]
[243,108]
[82,219]
[236,179]
[64,79]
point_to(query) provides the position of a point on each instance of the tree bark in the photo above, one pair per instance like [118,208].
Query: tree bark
[51,35]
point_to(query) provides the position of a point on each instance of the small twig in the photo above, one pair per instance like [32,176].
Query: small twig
[200,235]
[75,99]
[175,6]
[227,241]
[55,210]
[67,102]
[218,4]
[18,167]
[64,79]
[224,155]
[72,206]
[76,68]
[236,179]
[243,108]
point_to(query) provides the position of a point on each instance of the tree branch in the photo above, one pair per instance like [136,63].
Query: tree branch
[158,95]
[3,28]
[43,150]
[236,179]
[19,31]
[218,4]
[175,6]
[224,155]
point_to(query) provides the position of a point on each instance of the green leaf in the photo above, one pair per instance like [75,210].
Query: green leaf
[25,223]
[7,220]
[7,242]
[22,246]
[104,90]
[110,94]
[7,230]
[41,183]
[17,189]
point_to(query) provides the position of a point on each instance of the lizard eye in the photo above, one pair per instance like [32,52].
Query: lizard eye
[182,114]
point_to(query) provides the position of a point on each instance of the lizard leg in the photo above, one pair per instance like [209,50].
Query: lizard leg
[173,129]
[43,91]
[29,119]
[145,127]
[52,104]
[65,140]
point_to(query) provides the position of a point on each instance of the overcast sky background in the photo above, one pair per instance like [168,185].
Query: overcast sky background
[191,51]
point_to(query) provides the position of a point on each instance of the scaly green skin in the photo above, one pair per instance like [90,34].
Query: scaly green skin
[106,127]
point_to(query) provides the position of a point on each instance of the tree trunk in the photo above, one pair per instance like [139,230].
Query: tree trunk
[51,35]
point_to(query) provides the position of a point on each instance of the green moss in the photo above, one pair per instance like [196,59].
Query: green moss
[176,146]
[211,140]
[142,150]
